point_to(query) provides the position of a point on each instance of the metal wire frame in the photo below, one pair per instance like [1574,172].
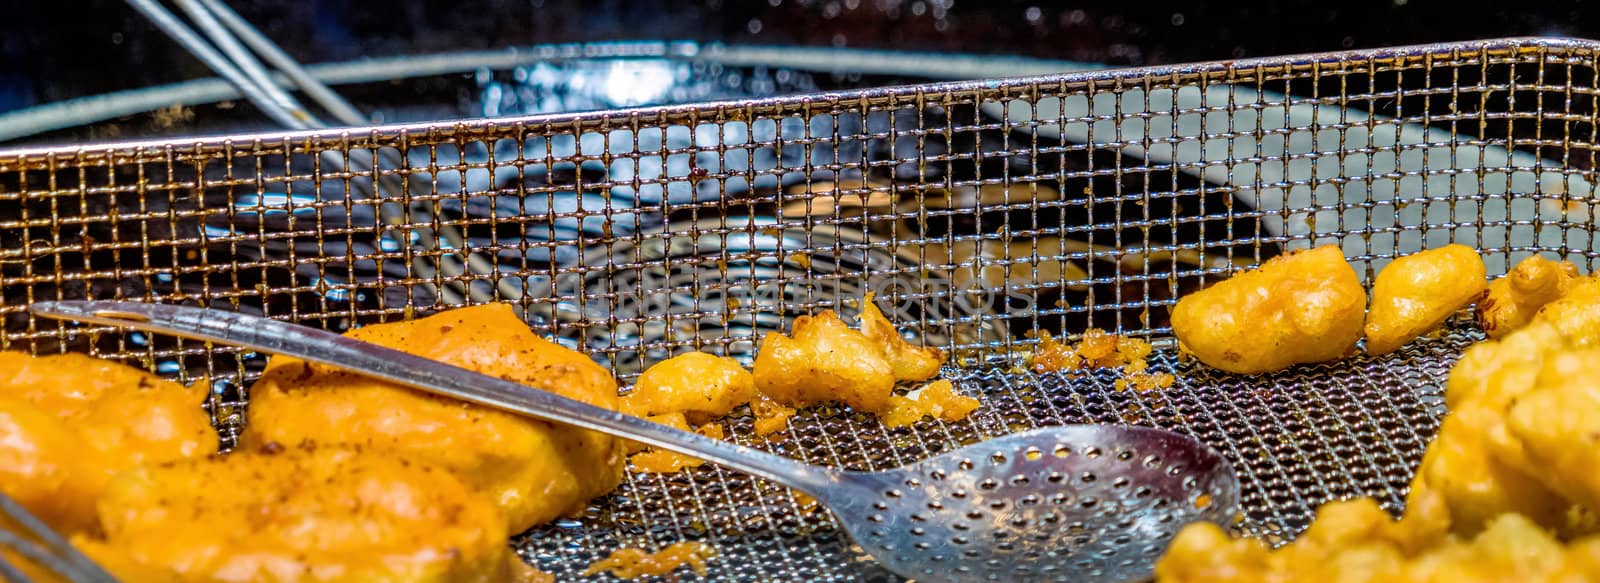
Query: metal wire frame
[127,220]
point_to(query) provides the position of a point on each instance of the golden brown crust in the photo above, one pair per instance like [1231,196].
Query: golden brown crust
[1301,307]
[536,471]
[1414,295]
[299,515]
[69,422]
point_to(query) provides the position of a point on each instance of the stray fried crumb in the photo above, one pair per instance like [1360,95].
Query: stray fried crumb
[630,563]
[1100,349]
[938,400]
[660,461]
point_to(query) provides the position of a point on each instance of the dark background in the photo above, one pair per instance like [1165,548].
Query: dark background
[52,49]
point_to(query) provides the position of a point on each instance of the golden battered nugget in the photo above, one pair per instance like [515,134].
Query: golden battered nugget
[69,422]
[696,384]
[1414,294]
[1514,299]
[320,514]
[534,470]
[824,361]
[1300,307]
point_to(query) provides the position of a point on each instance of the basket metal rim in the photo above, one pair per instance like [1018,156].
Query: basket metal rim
[694,112]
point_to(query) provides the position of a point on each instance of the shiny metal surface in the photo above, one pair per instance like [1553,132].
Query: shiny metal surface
[975,230]
[28,541]
[1079,503]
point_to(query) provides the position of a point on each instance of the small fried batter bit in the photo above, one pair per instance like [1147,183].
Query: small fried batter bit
[1514,299]
[1300,307]
[938,400]
[661,461]
[1414,294]
[535,470]
[1099,349]
[629,563]
[290,514]
[70,422]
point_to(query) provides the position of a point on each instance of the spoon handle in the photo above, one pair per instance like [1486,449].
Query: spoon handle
[320,346]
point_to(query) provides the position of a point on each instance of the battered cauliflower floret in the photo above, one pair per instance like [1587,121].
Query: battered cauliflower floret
[1300,307]
[698,385]
[1415,294]
[325,514]
[1514,299]
[825,361]
[70,422]
[534,470]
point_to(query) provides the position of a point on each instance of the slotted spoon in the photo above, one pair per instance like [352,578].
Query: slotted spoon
[1067,503]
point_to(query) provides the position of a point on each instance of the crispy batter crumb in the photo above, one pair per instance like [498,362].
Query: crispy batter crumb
[660,461]
[1142,381]
[1100,349]
[771,417]
[629,563]
[938,400]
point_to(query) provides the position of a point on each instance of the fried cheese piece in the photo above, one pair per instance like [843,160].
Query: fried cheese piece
[534,470]
[910,363]
[1513,300]
[70,422]
[1415,294]
[302,514]
[698,385]
[1301,307]
[824,361]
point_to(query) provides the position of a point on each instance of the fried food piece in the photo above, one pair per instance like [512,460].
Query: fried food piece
[534,470]
[113,560]
[696,384]
[1514,299]
[628,563]
[1299,307]
[825,361]
[910,363]
[938,400]
[323,514]
[661,461]
[1413,295]
[1558,426]
[69,422]
[1143,381]
[771,417]
[1355,541]
[1489,459]
[1576,314]
[673,420]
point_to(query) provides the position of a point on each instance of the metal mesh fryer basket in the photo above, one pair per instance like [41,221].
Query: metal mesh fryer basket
[978,212]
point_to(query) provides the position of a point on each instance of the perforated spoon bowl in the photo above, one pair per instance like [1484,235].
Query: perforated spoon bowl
[1067,503]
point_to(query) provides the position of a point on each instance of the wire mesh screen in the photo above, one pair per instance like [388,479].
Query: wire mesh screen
[977,214]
